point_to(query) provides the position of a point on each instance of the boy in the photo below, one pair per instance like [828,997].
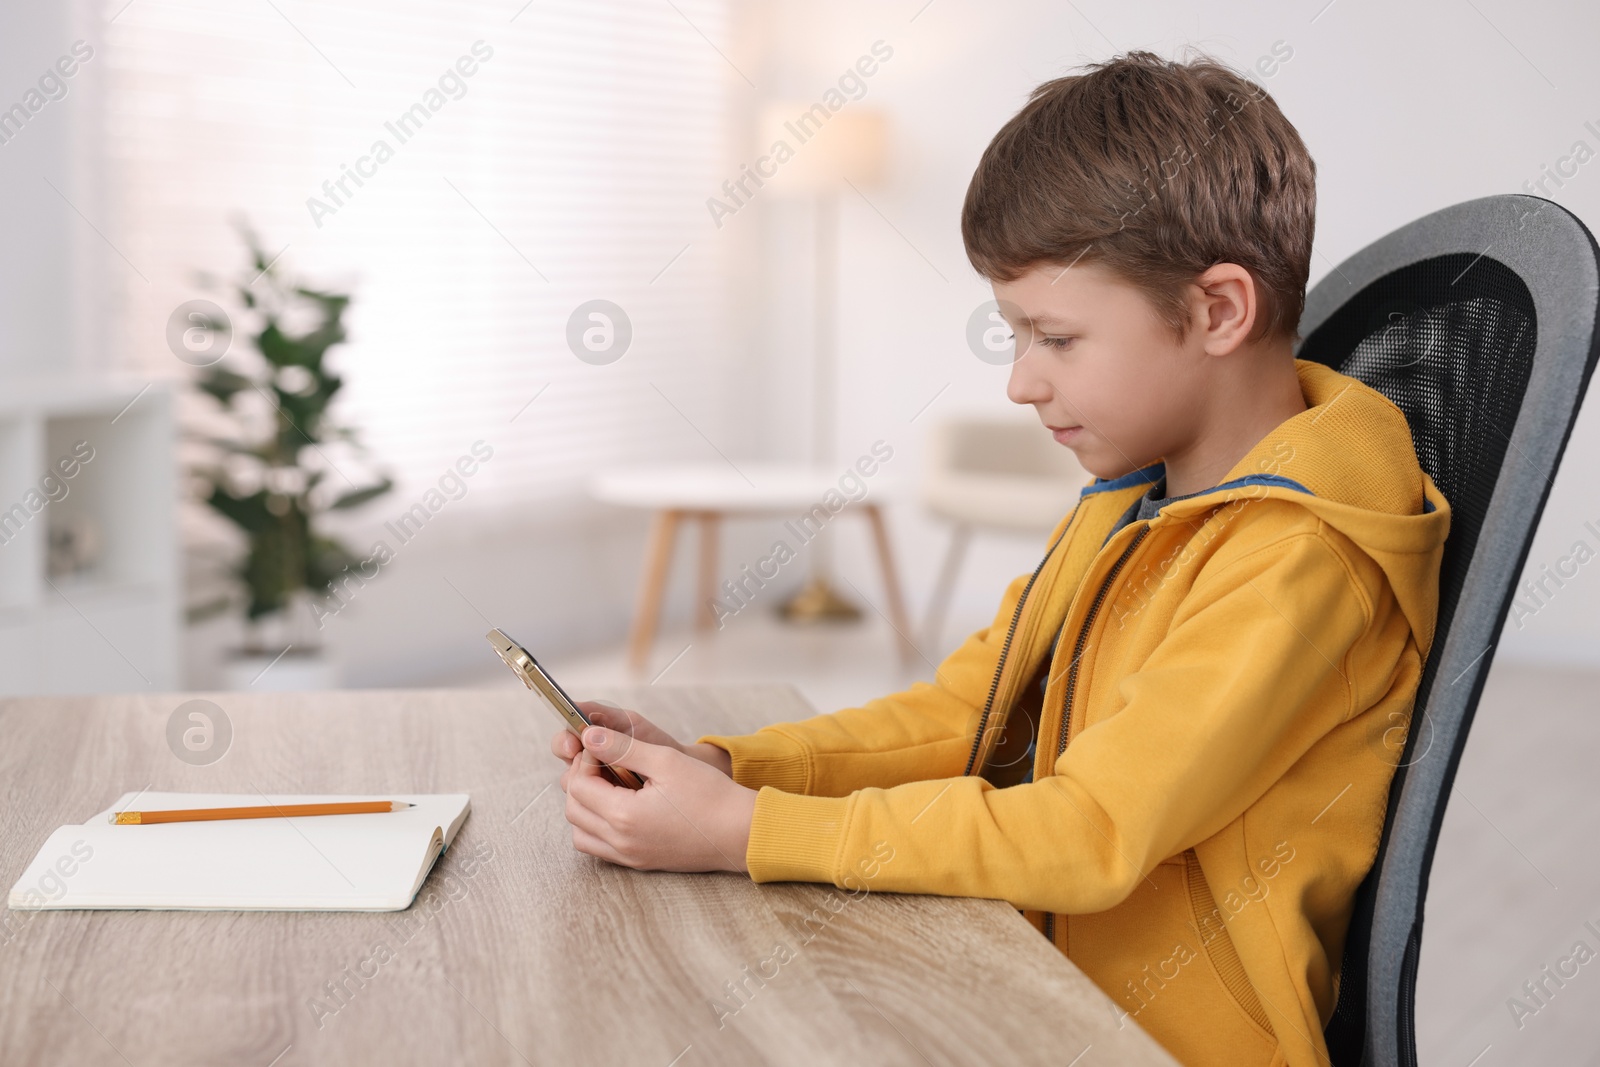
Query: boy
[1173,747]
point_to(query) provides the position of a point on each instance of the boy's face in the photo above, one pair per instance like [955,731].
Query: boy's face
[1092,354]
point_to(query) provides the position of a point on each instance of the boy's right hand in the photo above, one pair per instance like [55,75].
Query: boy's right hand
[566,746]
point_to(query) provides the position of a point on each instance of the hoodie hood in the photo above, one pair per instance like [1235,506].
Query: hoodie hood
[1350,459]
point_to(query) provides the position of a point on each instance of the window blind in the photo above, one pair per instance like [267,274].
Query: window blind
[533,158]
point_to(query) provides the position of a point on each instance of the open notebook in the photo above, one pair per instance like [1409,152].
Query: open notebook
[312,863]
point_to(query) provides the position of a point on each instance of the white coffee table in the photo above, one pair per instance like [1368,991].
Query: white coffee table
[710,492]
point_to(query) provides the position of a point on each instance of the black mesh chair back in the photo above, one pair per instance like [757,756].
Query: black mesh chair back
[1478,321]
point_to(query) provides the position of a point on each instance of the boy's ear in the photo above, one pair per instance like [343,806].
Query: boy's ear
[1226,307]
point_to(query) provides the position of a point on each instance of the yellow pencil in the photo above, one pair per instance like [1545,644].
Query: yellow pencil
[268,811]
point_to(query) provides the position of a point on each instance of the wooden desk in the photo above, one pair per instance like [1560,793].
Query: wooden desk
[518,950]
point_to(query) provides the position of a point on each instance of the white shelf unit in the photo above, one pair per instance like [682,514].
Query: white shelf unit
[114,627]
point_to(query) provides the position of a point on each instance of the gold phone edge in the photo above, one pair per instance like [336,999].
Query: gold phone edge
[522,665]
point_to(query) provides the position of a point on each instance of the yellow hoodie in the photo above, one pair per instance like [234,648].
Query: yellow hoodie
[1223,715]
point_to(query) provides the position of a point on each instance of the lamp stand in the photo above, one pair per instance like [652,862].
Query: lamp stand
[818,601]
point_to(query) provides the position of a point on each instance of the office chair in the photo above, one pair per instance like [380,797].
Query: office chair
[1479,322]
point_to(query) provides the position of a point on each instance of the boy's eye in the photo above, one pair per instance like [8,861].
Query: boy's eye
[1056,342]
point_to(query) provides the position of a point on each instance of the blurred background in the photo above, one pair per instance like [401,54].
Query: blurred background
[516,314]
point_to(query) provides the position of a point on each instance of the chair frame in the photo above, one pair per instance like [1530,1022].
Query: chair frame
[1556,256]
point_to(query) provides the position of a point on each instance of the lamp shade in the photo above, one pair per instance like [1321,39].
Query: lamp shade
[806,148]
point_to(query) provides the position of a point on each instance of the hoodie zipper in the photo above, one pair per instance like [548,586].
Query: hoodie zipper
[1000,666]
[1072,672]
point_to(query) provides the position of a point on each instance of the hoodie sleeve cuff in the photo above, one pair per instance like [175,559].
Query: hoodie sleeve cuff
[795,838]
[765,757]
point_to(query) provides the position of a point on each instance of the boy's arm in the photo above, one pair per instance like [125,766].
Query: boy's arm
[1240,688]
[922,732]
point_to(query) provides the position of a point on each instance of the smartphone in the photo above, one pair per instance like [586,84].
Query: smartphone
[538,679]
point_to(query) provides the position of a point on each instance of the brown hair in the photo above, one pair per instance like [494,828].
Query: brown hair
[1156,170]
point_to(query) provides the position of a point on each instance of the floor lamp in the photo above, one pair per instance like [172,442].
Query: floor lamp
[828,153]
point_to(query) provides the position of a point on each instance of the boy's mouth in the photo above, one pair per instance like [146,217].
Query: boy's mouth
[1063,434]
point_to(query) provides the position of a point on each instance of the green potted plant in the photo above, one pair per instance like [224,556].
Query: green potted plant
[268,472]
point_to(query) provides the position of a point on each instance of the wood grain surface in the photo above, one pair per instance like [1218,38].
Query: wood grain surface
[518,949]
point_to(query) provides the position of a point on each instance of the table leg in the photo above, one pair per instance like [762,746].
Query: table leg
[891,583]
[705,618]
[658,557]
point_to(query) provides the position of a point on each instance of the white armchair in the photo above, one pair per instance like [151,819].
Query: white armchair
[992,473]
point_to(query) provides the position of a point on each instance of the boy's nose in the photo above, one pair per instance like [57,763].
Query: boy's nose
[1025,386]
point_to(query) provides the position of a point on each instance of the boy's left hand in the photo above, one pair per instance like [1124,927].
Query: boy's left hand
[688,817]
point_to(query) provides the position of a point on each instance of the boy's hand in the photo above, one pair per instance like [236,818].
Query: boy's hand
[688,816]
[566,746]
